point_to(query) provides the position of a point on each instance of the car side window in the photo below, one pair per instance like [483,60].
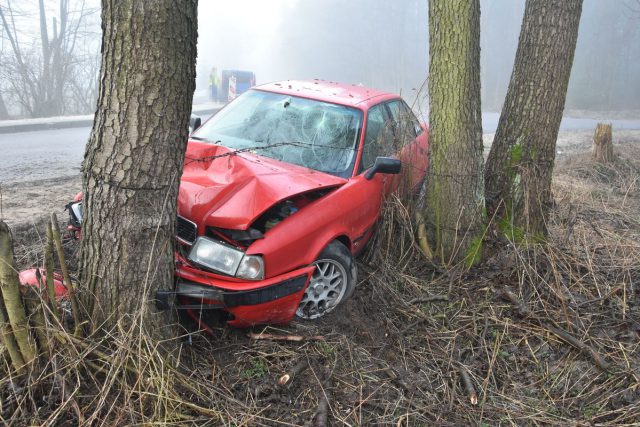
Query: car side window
[411,117]
[377,135]
[403,128]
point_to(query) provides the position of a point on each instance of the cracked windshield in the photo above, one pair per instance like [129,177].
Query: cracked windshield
[309,133]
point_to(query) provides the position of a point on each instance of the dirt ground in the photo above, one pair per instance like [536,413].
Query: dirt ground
[539,335]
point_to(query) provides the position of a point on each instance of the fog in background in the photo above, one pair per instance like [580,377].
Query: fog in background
[378,43]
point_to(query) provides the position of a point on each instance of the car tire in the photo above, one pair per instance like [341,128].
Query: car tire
[332,282]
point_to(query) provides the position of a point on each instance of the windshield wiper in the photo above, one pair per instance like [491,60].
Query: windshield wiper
[240,150]
[262,147]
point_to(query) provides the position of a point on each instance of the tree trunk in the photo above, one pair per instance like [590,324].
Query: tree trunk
[520,164]
[454,199]
[4,114]
[135,155]
[602,149]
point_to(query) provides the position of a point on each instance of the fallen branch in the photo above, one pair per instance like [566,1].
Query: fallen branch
[468,385]
[433,298]
[585,348]
[293,338]
[321,412]
[523,310]
[300,367]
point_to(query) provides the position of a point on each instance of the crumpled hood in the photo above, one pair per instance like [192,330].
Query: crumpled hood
[233,191]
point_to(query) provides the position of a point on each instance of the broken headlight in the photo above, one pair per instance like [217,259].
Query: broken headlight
[251,268]
[225,259]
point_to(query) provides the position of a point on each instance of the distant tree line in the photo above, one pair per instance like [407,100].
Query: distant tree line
[55,73]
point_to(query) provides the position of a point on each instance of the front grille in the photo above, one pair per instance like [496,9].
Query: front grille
[186,230]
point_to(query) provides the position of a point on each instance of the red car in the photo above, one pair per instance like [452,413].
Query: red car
[281,190]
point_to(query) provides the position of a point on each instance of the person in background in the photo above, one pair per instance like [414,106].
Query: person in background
[214,83]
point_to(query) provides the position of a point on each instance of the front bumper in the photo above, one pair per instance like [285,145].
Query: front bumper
[269,301]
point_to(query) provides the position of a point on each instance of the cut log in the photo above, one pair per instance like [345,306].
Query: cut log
[602,149]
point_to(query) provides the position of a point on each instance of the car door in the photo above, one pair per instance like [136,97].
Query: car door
[368,194]
[410,141]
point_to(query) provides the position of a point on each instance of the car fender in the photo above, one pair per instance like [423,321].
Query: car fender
[348,212]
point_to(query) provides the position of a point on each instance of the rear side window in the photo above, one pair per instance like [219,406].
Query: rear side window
[378,135]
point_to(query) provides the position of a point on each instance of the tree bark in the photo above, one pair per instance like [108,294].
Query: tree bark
[602,149]
[520,163]
[454,192]
[135,155]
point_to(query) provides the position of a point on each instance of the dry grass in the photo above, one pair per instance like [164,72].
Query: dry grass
[540,335]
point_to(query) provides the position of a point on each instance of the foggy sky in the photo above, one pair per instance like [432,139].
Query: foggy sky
[384,44]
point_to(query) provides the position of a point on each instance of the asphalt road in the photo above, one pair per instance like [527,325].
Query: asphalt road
[46,154]
[31,156]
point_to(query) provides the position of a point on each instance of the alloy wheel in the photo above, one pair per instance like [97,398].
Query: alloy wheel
[325,291]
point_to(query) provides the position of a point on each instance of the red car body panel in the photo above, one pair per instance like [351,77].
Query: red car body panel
[30,278]
[232,191]
[278,311]
[333,92]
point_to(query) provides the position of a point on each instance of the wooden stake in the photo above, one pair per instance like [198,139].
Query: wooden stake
[75,307]
[48,265]
[33,303]
[602,149]
[10,286]
[9,340]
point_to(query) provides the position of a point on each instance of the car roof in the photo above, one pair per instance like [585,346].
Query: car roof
[328,91]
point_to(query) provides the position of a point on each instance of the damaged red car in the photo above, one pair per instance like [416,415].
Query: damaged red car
[281,190]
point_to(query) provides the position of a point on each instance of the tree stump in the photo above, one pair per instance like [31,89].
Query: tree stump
[602,149]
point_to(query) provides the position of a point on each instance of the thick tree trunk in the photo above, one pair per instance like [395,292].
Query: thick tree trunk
[135,155]
[602,149]
[520,164]
[454,192]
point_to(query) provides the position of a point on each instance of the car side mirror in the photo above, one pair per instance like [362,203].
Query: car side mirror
[194,123]
[384,165]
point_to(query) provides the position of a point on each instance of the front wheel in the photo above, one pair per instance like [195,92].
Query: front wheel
[332,282]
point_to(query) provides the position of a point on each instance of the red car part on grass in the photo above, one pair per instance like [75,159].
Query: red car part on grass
[280,191]
[29,277]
